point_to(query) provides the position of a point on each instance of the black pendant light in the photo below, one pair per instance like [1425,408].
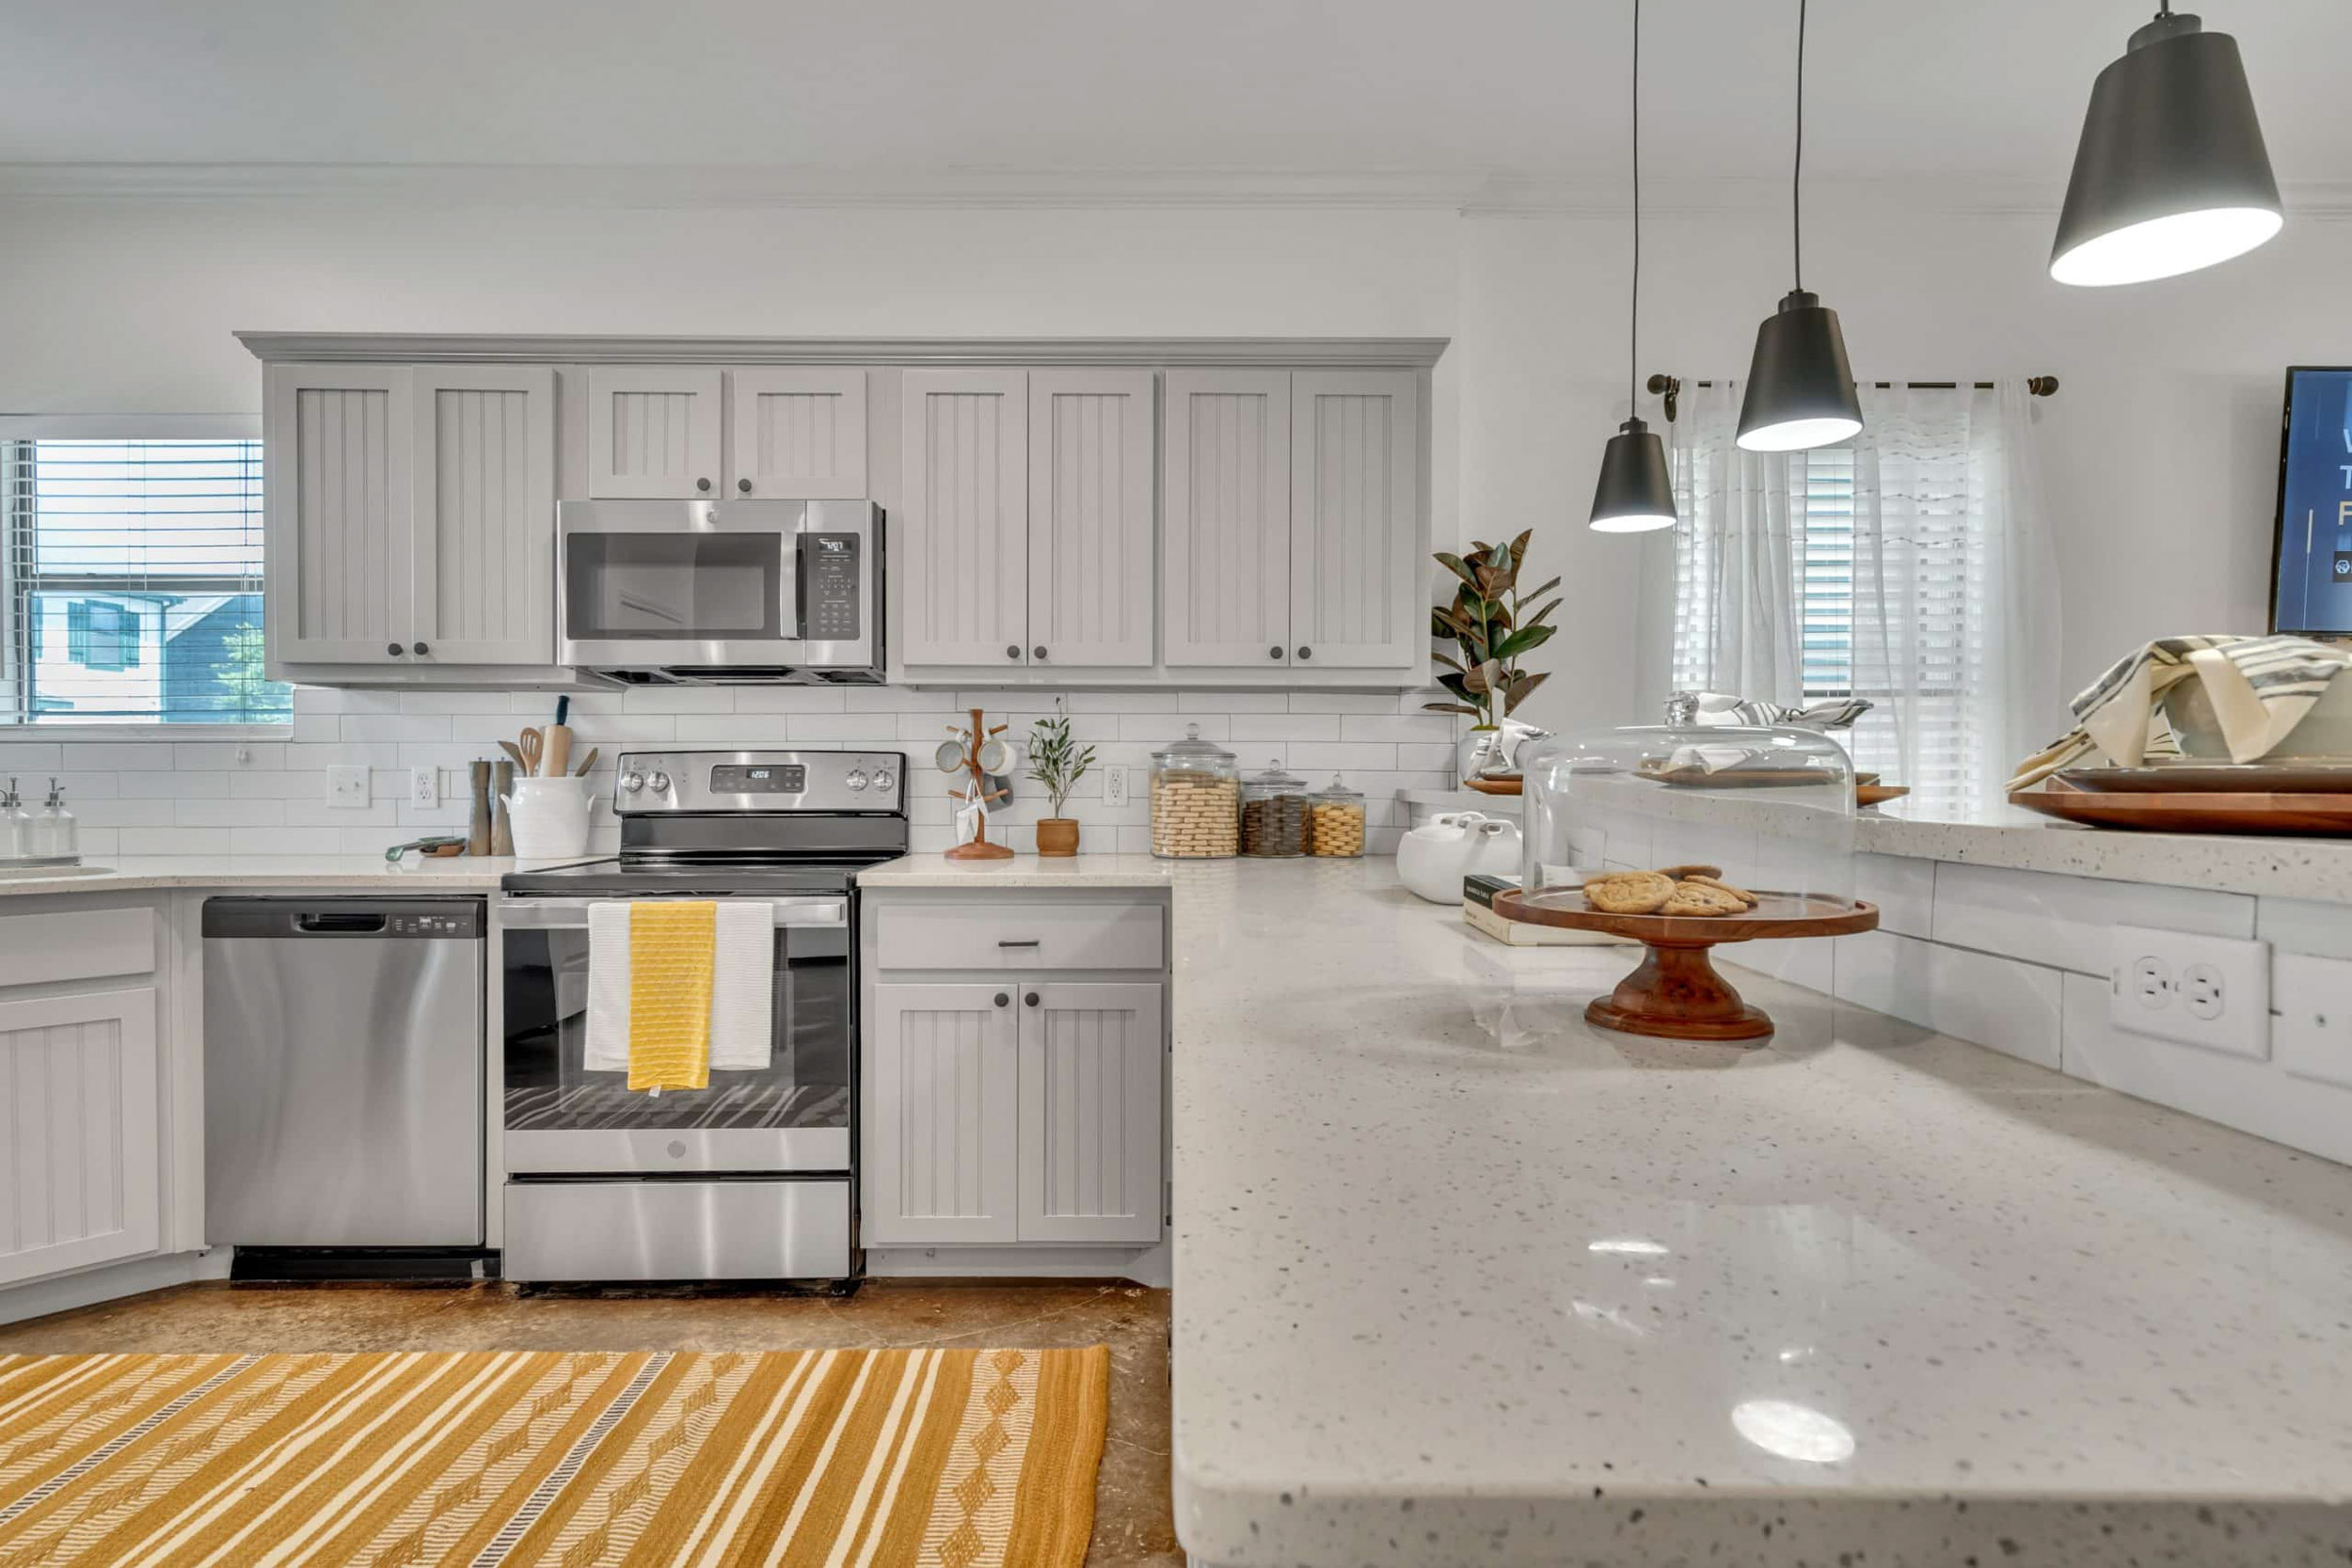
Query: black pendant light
[1801,390]
[1635,493]
[2170,174]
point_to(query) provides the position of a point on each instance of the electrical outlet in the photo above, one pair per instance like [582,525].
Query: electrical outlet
[424,786]
[1115,784]
[2213,991]
[347,787]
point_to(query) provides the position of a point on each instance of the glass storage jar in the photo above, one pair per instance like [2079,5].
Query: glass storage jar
[1273,813]
[1335,821]
[1196,800]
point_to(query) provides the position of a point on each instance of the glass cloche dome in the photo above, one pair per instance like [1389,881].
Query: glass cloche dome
[1682,838]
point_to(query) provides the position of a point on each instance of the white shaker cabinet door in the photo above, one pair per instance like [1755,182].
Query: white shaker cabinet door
[340,455]
[798,434]
[654,432]
[964,533]
[1090,493]
[1356,599]
[484,532]
[79,1178]
[1225,530]
[1092,1069]
[942,1160]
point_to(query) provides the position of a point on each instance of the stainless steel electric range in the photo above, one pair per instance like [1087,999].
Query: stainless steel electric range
[752,1178]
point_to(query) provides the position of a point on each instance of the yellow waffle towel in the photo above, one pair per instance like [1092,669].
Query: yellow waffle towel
[673,950]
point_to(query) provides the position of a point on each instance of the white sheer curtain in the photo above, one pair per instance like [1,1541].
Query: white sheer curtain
[1912,568]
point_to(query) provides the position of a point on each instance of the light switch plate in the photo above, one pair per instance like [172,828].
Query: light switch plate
[2213,991]
[2313,1022]
[347,788]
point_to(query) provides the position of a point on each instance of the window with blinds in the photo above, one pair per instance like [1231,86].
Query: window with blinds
[132,572]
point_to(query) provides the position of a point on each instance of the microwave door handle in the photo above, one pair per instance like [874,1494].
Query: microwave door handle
[799,588]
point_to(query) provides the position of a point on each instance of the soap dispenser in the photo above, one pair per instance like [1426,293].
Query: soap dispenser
[55,836]
[16,828]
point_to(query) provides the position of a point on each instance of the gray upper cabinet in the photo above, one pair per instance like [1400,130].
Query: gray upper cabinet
[483,536]
[963,532]
[338,512]
[796,434]
[655,431]
[1091,546]
[1357,596]
[1225,557]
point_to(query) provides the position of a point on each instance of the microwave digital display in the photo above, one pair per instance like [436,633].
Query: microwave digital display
[738,779]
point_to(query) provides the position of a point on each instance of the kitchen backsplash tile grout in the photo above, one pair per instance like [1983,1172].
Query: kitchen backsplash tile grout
[138,797]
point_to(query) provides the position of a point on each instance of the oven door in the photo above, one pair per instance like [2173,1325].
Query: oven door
[693,583]
[561,1118]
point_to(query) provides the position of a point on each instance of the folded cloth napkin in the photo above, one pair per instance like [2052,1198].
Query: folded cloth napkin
[2260,688]
[740,1028]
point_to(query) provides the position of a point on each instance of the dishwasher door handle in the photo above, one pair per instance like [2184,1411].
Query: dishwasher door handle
[339,921]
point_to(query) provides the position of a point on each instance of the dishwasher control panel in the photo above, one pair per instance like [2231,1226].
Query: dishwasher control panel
[464,923]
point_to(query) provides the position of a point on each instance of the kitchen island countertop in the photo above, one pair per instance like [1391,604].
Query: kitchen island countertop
[1459,1279]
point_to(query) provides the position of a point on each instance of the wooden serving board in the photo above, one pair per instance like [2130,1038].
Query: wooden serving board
[1495,786]
[2327,816]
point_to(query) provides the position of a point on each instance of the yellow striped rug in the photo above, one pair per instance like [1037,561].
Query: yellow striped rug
[962,1458]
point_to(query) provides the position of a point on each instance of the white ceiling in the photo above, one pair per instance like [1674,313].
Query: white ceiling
[1988,90]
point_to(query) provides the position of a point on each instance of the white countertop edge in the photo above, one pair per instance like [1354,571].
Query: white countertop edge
[320,872]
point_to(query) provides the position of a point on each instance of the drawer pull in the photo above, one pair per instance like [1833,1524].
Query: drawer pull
[1024,941]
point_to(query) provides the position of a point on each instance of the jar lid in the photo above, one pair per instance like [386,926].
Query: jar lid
[1276,778]
[1338,791]
[1193,749]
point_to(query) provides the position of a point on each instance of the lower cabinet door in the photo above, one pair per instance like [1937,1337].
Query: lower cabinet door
[1091,1067]
[942,1162]
[79,1179]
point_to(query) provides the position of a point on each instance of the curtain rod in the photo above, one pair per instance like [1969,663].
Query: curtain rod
[1670,388]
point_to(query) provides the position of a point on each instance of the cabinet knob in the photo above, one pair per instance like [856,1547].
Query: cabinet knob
[1003,1001]
[744,485]
[394,649]
[1030,1000]
[1274,653]
[1037,652]
[420,648]
[1013,650]
[1305,652]
[703,484]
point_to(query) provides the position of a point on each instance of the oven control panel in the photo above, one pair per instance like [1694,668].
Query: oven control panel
[743,782]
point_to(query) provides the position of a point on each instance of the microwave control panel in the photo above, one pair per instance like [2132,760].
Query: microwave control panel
[833,574]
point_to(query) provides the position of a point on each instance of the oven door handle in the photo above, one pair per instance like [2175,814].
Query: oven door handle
[542,914]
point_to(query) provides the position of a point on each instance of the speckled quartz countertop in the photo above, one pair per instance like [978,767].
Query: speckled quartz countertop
[1458,1279]
[1022,871]
[271,872]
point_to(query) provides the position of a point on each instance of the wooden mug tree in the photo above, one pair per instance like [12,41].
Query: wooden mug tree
[971,743]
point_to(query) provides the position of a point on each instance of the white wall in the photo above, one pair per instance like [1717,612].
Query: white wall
[2160,451]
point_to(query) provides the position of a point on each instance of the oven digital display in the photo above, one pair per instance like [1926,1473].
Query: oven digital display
[739,779]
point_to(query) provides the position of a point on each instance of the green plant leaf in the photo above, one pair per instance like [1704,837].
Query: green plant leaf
[1455,708]
[1519,690]
[1456,564]
[1459,685]
[1447,659]
[1523,639]
[1538,618]
[1539,592]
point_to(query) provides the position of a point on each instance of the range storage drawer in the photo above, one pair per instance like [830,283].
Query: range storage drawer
[1021,936]
[752,1228]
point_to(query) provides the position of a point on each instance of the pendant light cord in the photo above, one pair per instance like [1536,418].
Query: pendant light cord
[1633,317]
[1796,173]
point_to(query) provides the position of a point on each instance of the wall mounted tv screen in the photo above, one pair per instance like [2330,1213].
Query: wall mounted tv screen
[2310,582]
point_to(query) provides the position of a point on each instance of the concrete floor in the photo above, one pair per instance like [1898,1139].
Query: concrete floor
[1134,1527]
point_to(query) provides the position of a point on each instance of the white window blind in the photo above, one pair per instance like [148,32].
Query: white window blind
[133,583]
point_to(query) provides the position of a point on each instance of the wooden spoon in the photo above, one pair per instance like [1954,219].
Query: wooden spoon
[533,744]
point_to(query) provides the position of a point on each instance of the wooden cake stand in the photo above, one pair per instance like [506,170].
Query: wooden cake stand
[1676,993]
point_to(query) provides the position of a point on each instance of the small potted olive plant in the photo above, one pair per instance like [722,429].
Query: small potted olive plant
[1058,765]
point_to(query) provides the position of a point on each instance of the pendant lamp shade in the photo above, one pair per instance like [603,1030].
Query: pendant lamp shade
[1635,493]
[1801,391]
[2171,174]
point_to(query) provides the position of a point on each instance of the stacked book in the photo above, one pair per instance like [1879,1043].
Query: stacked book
[1478,910]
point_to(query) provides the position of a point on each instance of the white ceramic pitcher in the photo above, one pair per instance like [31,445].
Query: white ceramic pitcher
[550,817]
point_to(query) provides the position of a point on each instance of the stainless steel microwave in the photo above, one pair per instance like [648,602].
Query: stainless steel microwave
[716,593]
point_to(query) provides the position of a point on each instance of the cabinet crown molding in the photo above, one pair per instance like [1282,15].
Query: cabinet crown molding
[498,348]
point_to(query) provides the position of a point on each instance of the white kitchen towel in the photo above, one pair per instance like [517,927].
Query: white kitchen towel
[742,1028]
[608,987]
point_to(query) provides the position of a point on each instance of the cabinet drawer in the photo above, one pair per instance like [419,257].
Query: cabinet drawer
[1022,936]
[75,944]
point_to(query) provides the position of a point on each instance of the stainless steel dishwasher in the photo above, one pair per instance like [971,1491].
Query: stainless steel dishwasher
[344,1073]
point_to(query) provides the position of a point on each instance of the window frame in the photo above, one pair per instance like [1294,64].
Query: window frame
[113,427]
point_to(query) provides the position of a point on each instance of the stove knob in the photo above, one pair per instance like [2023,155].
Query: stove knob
[854,778]
[660,782]
[885,780]
[633,783]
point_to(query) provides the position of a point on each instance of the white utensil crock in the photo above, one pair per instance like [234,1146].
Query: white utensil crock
[1433,859]
[550,817]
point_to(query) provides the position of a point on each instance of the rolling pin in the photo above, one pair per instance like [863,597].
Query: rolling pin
[555,758]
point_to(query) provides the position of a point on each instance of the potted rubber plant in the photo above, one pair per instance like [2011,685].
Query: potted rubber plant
[1058,763]
[1490,624]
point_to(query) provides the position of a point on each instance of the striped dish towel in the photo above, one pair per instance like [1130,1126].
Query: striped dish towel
[673,948]
[2260,687]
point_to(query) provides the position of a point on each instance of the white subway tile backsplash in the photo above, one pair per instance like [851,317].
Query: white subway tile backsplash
[1342,754]
[1232,701]
[1341,701]
[679,699]
[395,726]
[2063,921]
[134,785]
[1282,726]
[1424,727]
[803,699]
[122,755]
